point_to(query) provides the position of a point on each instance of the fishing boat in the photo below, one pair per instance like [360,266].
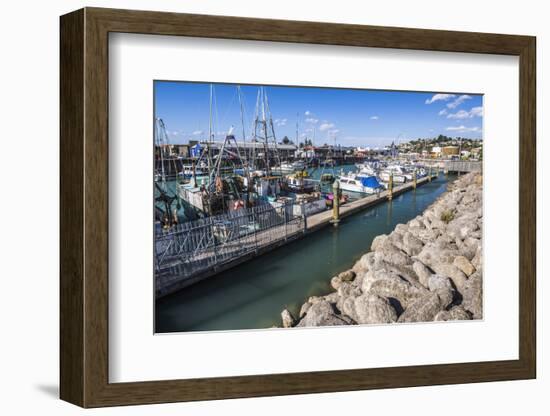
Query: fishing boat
[299,183]
[359,183]
[327,178]
[189,170]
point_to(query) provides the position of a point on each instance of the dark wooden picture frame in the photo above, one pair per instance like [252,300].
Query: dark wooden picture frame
[84,207]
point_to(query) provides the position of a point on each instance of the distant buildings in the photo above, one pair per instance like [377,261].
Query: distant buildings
[438,148]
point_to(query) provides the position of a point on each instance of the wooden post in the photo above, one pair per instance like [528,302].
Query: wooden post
[430,174]
[335,203]
[390,188]
[414,180]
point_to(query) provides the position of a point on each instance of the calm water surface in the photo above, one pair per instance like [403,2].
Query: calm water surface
[253,294]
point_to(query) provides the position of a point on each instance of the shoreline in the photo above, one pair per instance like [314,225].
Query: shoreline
[429,269]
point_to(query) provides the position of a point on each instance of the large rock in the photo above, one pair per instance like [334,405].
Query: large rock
[462,227]
[464,264]
[388,253]
[465,249]
[378,240]
[348,289]
[322,314]
[335,282]
[287,318]
[347,276]
[411,244]
[443,287]
[422,272]
[364,263]
[393,286]
[372,309]
[472,296]
[424,309]
[456,313]
[332,297]
[303,310]
[477,261]
[433,254]
[440,260]
[416,223]
[454,273]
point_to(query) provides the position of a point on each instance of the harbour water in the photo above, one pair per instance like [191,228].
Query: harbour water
[252,295]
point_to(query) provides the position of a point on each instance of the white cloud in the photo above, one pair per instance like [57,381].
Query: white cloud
[443,112]
[374,117]
[279,122]
[326,126]
[440,97]
[312,120]
[197,132]
[458,101]
[333,132]
[308,113]
[462,114]
[459,114]
[477,111]
[463,129]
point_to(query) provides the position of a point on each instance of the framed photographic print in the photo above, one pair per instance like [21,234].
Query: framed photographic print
[257,207]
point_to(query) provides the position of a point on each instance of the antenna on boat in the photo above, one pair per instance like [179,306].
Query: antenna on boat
[241,105]
[161,141]
[275,150]
[264,130]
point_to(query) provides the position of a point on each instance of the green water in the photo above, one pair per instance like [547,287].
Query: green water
[253,294]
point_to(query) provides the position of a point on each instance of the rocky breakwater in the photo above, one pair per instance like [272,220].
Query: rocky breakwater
[429,269]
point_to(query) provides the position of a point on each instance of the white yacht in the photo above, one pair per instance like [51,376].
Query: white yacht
[398,172]
[286,167]
[362,183]
[367,168]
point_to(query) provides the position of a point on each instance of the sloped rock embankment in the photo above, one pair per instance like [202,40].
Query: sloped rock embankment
[429,269]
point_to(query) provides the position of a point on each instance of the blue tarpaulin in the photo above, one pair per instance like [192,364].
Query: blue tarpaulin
[196,150]
[370,182]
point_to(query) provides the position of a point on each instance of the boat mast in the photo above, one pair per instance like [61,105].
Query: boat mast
[255,140]
[266,144]
[162,141]
[209,141]
[272,128]
[241,105]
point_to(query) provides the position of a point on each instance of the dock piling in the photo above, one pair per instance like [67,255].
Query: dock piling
[390,188]
[414,180]
[336,203]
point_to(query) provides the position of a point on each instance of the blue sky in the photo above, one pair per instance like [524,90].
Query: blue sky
[354,117]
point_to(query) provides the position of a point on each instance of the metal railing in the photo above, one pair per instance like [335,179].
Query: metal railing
[192,248]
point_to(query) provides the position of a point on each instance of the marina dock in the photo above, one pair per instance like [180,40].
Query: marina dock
[191,254]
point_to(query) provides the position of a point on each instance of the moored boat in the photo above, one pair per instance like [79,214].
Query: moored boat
[359,183]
